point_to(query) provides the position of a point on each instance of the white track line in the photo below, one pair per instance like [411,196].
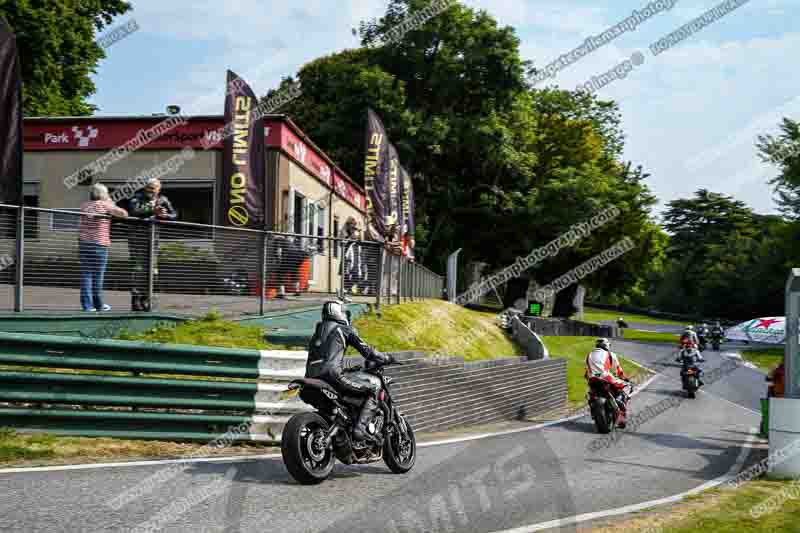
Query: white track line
[124,464]
[644,505]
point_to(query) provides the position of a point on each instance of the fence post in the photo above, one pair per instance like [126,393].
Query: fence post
[19,287]
[151,265]
[379,285]
[263,273]
[399,278]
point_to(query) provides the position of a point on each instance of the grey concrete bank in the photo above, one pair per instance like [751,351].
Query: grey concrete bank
[553,327]
[446,392]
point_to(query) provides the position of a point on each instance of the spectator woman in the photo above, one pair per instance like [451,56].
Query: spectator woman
[94,240]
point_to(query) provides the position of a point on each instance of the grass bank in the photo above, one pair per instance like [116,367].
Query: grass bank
[766,359]
[437,327]
[721,511]
[575,350]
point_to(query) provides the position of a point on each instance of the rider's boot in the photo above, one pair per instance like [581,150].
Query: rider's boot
[368,412]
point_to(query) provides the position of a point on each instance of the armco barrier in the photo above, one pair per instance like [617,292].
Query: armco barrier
[530,341]
[174,392]
[564,327]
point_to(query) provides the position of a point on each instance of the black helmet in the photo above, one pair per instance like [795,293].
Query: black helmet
[336,312]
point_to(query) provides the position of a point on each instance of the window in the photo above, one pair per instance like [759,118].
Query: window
[298,211]
[65,221]
[31,217]
[321,229]
[312,217]
[193,202]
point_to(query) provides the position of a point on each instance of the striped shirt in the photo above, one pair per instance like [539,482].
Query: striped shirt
[96,229]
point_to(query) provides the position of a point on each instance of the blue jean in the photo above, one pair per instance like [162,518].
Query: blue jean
[94,258]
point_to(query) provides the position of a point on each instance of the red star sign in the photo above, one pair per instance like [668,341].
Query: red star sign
[766,323]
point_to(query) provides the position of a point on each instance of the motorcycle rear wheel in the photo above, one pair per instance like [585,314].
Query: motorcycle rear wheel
[303,456]
[601,419]
[400,452]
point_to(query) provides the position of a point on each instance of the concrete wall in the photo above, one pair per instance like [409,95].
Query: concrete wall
[447,392]
[571,328]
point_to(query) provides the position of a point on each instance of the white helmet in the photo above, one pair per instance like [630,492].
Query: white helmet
[335,311]
[604,344]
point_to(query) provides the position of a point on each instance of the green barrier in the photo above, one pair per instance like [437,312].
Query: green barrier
[764,418]
[127,356]
[78,402]
[142,425]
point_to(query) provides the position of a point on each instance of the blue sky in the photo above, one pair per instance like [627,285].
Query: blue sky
[691,114]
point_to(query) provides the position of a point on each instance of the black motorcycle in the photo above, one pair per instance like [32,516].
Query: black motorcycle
[702,342]
[716,340]
[691,374]
[312,441]
[603,405]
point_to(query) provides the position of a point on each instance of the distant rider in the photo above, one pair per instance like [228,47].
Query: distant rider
[326,357]
[688,358]
[703,332]
[603,365]
[716,331]
[689,341]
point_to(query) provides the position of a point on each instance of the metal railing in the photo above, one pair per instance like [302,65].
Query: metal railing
[189,268]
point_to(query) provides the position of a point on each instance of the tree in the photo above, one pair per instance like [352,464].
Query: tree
[58,52]
[784,152]
[499,168]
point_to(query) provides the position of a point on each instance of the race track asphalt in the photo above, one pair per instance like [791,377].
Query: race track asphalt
[483,485]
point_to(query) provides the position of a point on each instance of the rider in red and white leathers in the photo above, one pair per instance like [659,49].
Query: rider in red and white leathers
[603,365]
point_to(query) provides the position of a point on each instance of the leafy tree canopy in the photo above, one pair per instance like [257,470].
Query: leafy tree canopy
[58,52]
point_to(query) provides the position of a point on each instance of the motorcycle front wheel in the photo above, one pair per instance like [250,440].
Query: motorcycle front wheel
[303,451]
[400,451]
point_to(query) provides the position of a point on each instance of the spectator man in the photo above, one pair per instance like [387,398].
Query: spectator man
[149,205]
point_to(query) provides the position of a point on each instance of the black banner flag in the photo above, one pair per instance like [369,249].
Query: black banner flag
[10,118]
[394,199]
[407,208]
[242,193]
[376,177]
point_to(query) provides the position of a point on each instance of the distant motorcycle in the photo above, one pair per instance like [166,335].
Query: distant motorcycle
[312,441]
[691,374]
[716,340]
[603,406]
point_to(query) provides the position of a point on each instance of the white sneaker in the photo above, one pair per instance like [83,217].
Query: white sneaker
[92,310]
[106,307]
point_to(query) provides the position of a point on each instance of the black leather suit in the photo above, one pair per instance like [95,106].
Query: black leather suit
[325,361]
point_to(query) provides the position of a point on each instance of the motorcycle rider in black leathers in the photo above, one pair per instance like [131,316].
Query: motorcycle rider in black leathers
[326,357]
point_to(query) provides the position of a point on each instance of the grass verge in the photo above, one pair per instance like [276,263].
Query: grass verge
[437,327]
[720,511]
[36,449]
[650,336]
[591,314]
[210,330]
[767,359]
[575,350]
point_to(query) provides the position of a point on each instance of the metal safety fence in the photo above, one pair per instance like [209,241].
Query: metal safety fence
[188,268]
